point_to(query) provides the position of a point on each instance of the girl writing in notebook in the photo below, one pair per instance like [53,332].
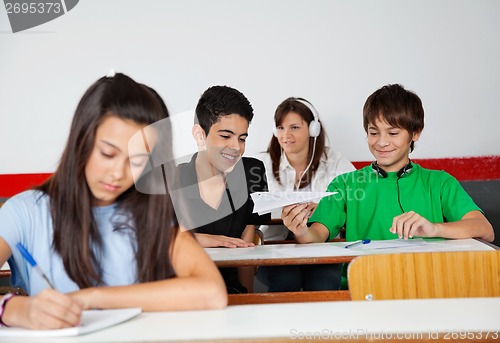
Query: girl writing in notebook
[100,241]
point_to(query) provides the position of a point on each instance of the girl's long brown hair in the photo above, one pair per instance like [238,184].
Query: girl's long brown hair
[151,218]
[274,148]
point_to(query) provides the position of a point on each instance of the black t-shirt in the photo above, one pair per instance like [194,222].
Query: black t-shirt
[235,210]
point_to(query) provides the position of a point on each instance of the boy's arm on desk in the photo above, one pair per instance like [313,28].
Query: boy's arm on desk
[472,225]
[207,240]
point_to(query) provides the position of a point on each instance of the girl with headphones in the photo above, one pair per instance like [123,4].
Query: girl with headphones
[297,159]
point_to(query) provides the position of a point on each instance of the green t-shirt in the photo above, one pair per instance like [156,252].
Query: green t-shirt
[367,203]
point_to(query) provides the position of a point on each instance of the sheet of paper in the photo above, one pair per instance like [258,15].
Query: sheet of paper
[265,202]
[92,320]
[314,250]
[437,246]
[392,244]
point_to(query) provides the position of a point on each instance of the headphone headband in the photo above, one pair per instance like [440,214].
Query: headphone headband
[310,107]
[401,172]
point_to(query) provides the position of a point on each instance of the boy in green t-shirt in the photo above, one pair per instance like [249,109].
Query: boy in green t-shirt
[392,197]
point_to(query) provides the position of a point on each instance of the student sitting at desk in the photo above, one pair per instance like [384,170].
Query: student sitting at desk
[101,242]
[298,159]
[213,191]
[392,197]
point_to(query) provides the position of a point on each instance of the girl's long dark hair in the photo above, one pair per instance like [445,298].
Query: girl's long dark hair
[150,217]
[274,148]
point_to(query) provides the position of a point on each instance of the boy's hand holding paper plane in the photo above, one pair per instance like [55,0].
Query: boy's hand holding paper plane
[265,202]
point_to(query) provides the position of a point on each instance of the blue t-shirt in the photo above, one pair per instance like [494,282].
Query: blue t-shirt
[26,218]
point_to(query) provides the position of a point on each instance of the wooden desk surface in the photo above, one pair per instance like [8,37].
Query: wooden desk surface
[5,270]
[319,253]
[423,320]
[315,253]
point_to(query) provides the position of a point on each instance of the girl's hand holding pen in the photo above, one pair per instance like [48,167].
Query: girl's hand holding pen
[48,309]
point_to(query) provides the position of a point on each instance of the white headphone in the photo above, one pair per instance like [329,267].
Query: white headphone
[314,125]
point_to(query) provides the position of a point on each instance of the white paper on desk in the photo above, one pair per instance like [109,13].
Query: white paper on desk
[392,244]
[92,320]
[314,250]
[265,202]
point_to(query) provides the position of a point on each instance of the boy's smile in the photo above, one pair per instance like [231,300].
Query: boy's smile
[389,145]
[225,142]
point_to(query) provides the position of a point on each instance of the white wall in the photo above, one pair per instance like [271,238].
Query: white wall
[332,52]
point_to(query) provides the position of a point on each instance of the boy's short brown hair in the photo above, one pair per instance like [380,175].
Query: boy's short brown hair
[397,106]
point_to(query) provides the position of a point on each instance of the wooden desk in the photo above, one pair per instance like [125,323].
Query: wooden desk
[317,253]
[320,253]
[424,320]
[5,270]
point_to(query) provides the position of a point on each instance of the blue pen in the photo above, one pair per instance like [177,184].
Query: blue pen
[33,263]
[364,241]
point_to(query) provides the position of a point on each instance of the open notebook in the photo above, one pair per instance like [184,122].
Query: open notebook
[92,320]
